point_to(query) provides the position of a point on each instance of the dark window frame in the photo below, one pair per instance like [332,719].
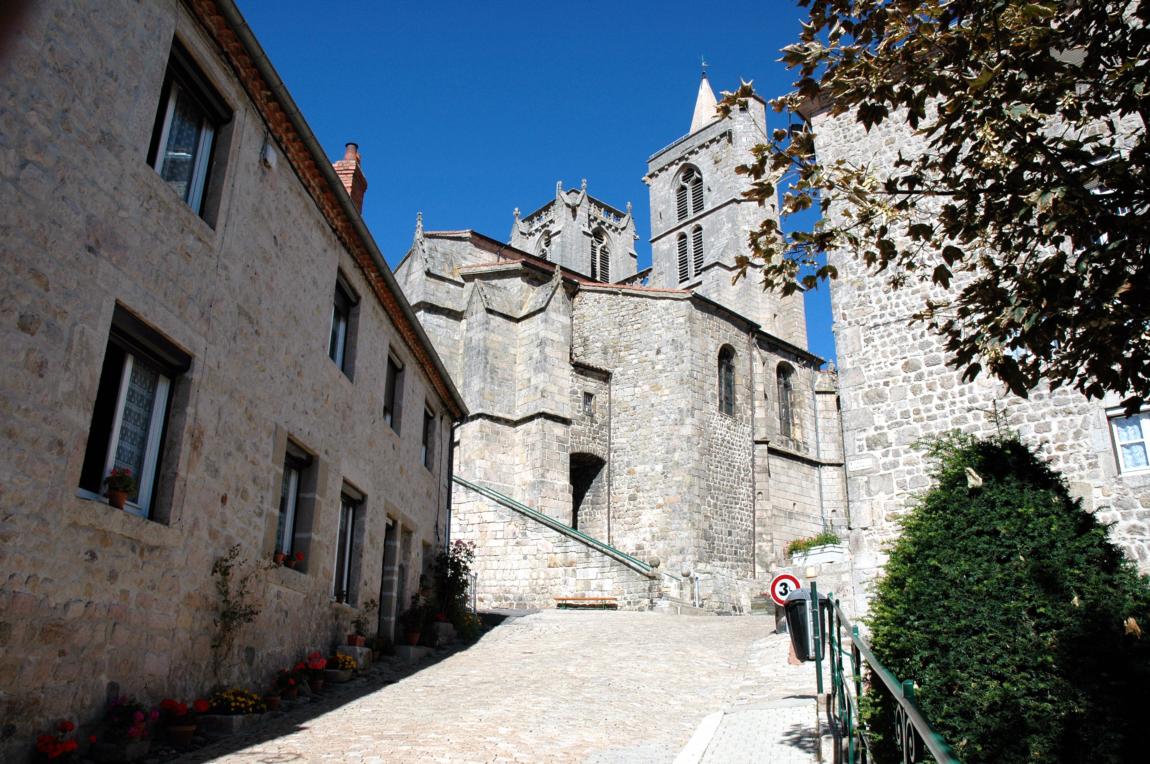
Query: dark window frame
[132,342]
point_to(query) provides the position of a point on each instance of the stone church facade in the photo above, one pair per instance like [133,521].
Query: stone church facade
[669,415]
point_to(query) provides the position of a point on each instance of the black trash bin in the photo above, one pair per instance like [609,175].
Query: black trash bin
[799,622]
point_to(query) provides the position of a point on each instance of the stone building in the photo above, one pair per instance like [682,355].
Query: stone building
[896,389]
[190,292]
[670,430]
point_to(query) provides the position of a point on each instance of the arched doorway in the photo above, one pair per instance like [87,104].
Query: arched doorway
[588,494]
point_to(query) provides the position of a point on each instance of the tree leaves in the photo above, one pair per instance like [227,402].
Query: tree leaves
[1022,185]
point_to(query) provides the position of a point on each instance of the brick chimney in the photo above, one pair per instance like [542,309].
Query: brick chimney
[351,173]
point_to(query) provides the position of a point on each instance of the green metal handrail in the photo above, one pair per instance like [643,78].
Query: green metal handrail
[843,705]
[551,522]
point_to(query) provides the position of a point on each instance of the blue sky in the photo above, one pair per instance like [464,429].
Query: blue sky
[467,110]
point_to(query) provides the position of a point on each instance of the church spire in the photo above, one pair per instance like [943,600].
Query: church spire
[705,105]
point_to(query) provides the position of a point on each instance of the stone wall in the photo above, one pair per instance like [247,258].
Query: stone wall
[521,563]
[90,595]
[896,390]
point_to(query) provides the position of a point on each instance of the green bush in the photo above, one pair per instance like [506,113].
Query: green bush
[799,546]
[1009,608]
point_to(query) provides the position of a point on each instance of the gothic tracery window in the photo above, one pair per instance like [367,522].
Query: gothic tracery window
[689,193]
[785,388]
[684,261]
[727,380]
[697,248]
[600,257]
[545,245]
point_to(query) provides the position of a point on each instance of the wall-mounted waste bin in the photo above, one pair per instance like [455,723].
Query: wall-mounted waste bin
[800,623]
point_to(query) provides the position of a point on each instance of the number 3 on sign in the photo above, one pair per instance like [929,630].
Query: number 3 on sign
[782,585]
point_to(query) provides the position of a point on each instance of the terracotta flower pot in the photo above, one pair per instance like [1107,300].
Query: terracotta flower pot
[117,498]
[356,640]
[272,702]
[289,693]
[316,681]
[413,638]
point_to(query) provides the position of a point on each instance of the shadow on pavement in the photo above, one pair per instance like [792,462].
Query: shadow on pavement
[388,671]
[802,737]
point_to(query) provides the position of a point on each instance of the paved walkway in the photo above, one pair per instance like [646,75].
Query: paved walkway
[569,686]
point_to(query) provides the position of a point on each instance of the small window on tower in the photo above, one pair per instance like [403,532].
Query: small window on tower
[600,257]
[684,262]
[589,404]
[697,248]
[689,193]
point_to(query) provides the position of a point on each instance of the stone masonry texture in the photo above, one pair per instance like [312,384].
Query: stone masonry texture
[896,390]
[90,595]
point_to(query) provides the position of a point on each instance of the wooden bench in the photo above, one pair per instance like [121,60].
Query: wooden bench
[586,603]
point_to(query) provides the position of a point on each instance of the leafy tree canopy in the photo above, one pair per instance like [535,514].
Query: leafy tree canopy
[1030,193]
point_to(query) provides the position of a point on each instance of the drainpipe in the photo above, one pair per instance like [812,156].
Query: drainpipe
[455,424]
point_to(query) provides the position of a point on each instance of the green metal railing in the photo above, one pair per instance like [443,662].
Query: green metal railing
[848,651]
[551,522]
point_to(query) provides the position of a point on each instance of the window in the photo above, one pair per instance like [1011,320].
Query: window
[588,404]
[544,248]
[427,454]
[697,248]
[187,127]
[1131,438]
[340,339]
[350,518]
[131,410]
[393,393]
[684,262]
[689,193]
[600,257]
[289,526]
[785,388]
[727,380]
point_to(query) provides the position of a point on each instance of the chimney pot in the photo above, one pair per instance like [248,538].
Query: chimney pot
[350,172]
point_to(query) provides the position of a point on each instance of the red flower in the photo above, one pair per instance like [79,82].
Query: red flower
[92,739]
[65,726]
[298,557]
[201,706]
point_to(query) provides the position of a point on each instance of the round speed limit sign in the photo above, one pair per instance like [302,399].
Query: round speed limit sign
[782,585]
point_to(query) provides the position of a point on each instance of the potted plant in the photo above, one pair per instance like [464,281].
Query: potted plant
[412,620]
[287,682]
[126,734]
[179,719]
[360,623]
[120,485]
[316,664]
[339,668]
[293,560]
[57,746]
[279,557]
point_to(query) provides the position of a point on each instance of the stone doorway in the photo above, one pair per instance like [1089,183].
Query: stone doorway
[589,494]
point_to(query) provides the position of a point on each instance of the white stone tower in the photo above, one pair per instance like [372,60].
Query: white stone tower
[700,221]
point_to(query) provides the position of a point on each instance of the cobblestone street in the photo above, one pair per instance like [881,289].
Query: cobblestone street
[562,686]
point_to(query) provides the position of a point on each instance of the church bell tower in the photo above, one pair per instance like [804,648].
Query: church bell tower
[700,221]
